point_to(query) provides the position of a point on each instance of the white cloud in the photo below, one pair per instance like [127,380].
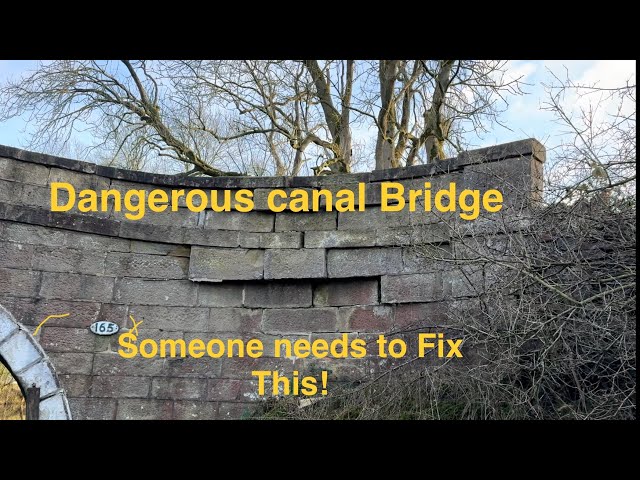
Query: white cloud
[521,69]
[609,73]
[605,74]
[562,68]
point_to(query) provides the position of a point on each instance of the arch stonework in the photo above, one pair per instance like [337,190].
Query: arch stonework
[259,274]
[31,367]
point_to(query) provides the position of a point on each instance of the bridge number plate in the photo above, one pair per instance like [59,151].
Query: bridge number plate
[104,328]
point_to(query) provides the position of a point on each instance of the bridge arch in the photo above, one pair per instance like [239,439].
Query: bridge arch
[30,366]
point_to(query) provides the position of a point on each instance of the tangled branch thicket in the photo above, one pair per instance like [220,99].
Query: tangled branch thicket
[552,334]
[554,330]
[549,325]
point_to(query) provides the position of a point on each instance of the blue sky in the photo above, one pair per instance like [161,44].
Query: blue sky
[524,117]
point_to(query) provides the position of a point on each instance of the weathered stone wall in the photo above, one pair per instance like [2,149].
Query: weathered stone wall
[200,275]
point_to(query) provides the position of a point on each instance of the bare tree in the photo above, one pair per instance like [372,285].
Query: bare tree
[129,96]
[417,105]
[599,152]
[294,103]
[425,105]
[291,116]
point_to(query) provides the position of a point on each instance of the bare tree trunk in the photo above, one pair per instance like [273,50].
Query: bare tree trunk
[436,126]
[337,122]
[385,154]
[344,137]
[280,168]
[297,163]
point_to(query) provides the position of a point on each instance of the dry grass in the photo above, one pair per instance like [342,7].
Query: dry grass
[12,404]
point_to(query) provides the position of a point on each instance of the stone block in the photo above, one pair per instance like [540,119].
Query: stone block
[235,410]
[250,239]
[217,264]
[420,315]
[19,283]
[346,292]
[425,287]
[234,320]
[7,327]
[54,408]
[152,334]
[426,258]
[223,389]
[281,240]
[303,222]
[337,239]
[364,262]
[376,318]
[79,180]
[23,172]
[413,235]
[63,339]
[152,233]
[513,177]
[34,235]
[267,341]
[204,367]
[171,319]
[41,375]
[152,248]
[113,364]
[87,241]
[92,408]
[292,263]
[155,292]
[123,186]
[220,294]
[271,294]
[180,218]
[244,221]
[144,409]
[68,286]
[178,388]
[19,351]
[72,363]
[68,260]
[212,238]
[80,222]
[190,410]
[117,314]
[520,148]
[76,385]
[15,255]
[37,196]
[146,266]
[371,219]
[32,311]
[338,369]
[10,192]
[352,187]
[249,390]
[300,320]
